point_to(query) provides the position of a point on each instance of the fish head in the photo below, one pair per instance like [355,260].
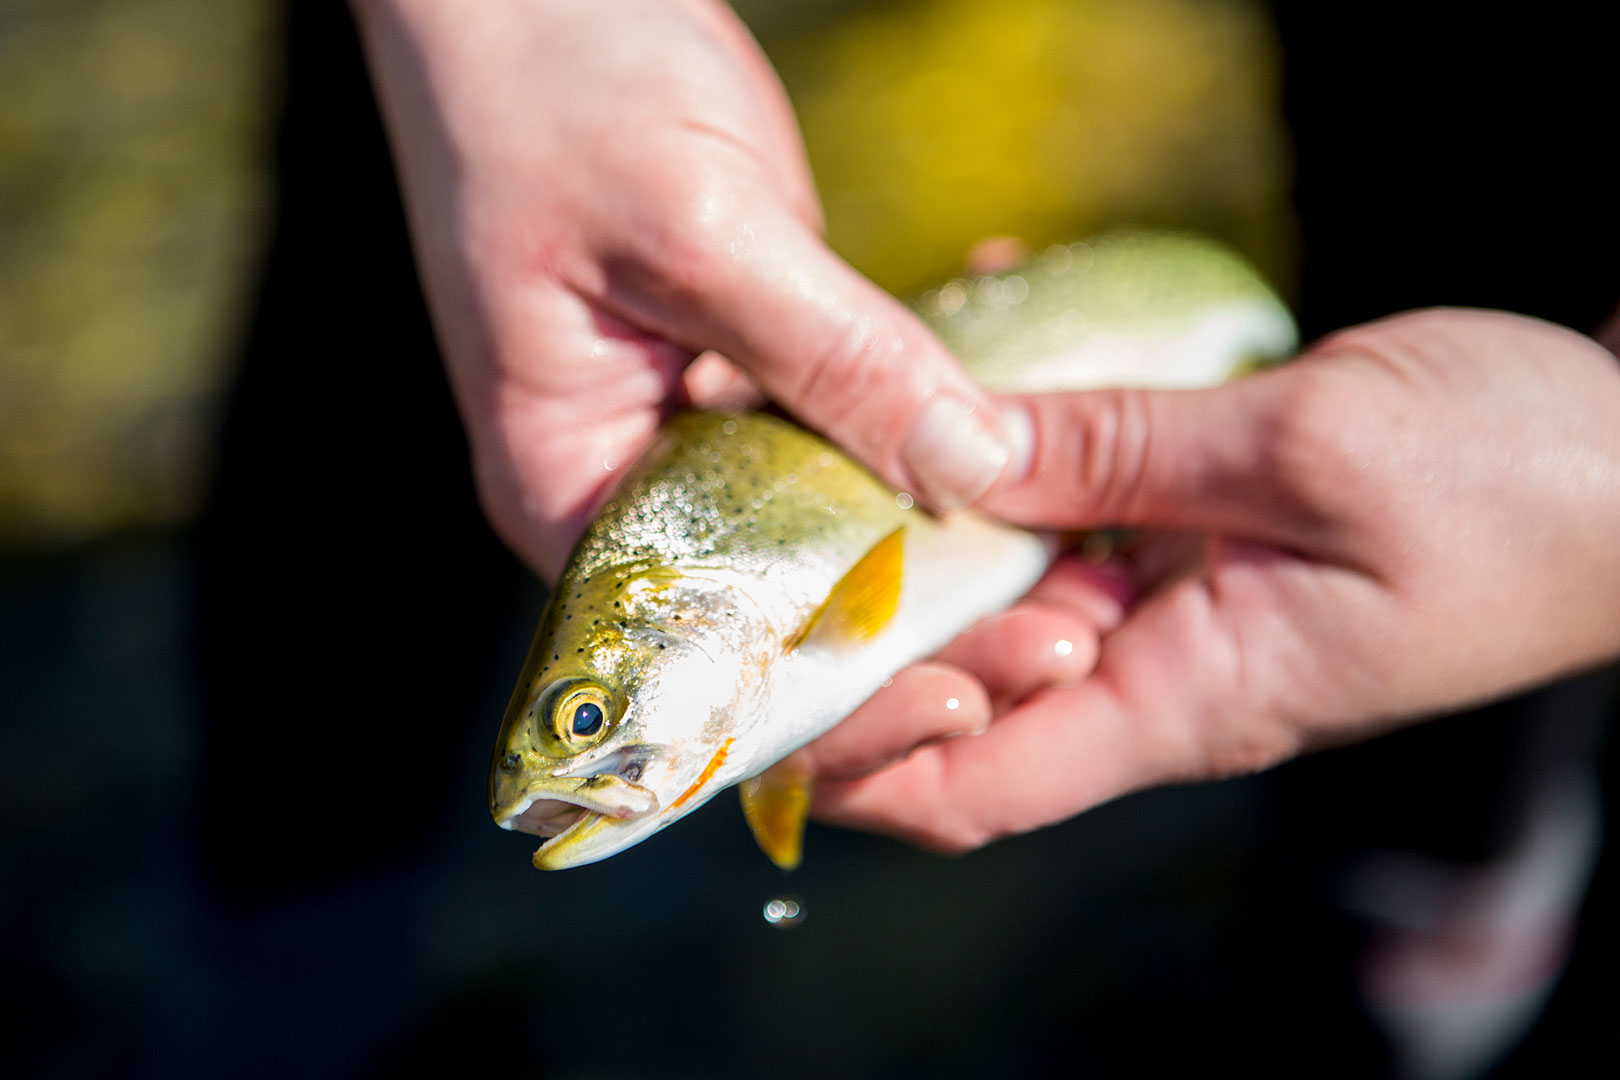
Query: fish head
[621,725]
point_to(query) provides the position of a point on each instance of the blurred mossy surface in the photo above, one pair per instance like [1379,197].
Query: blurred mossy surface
[933,124]
[133,190]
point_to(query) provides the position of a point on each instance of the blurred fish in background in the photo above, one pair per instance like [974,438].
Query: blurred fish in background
[254,634]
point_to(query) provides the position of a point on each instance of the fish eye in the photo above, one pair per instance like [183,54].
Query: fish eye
[587,719]
[577,711]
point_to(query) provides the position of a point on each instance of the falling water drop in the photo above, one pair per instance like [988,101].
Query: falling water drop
[784,912]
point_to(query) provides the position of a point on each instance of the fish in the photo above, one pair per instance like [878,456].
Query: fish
[748,585]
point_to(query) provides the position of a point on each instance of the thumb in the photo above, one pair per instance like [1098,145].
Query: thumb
[1251,458]
[833,349]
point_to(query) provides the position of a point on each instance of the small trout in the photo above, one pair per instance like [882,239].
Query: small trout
[749,585]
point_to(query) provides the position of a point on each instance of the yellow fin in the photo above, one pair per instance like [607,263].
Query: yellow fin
[776,804]
[863,601]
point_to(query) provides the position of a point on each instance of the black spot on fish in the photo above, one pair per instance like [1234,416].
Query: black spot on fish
[511,761]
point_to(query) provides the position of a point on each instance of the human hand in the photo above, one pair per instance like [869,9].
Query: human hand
[1419,514]
[598,191]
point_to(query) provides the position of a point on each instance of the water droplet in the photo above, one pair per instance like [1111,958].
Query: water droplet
[952,704]
[904,501]
[784,912]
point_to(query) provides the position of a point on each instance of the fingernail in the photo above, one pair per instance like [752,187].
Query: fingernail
[952,455]
[1020,436]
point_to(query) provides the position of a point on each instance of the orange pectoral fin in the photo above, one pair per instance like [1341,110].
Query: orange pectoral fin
[863,601]
[776,804]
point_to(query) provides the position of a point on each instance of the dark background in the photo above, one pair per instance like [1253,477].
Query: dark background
[246,765]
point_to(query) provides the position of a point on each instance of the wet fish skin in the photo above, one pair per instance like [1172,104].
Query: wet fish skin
[683,614]
[749,585]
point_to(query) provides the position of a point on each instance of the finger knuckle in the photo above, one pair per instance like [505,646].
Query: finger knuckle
[686,253]
[850,367]
[1312,444]
[1115,453]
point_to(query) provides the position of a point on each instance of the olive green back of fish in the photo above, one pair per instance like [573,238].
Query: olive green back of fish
[740,491]
[1126,308]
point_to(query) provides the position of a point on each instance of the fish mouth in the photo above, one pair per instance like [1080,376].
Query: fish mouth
[564,808]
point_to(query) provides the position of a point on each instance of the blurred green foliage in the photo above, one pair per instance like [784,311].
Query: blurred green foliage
[933,124]
[133,196]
